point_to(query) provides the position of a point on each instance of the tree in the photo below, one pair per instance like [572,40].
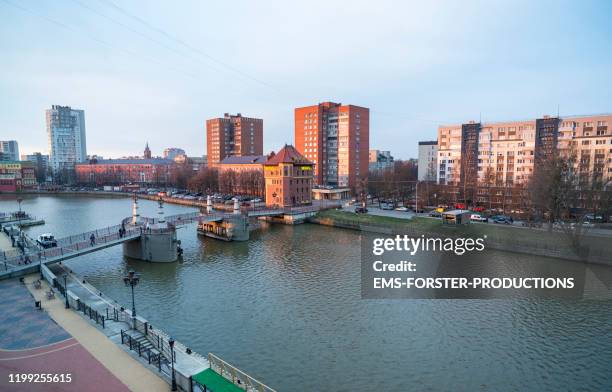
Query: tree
[205,181]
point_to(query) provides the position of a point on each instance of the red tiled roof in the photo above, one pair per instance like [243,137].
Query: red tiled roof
[288,154]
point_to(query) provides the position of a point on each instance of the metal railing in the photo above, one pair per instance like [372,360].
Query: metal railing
[236,376]
[67,246]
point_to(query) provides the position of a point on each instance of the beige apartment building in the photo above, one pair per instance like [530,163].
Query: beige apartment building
[506,153]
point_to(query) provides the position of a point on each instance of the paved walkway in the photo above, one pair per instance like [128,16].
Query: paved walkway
[127,371]
[5,242]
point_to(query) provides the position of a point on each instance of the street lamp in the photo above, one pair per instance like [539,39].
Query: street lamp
[171,343]
[66,291]
[132,279]
[40,261]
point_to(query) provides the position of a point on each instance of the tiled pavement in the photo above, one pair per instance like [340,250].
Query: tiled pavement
[21,325]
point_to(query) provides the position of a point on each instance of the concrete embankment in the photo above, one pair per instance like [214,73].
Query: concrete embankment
[510,239]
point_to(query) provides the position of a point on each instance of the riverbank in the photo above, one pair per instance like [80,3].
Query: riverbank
[500,237]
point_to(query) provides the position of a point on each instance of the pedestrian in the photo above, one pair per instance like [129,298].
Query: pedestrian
[92,239]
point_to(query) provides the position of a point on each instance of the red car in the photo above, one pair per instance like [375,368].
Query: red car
[478,209]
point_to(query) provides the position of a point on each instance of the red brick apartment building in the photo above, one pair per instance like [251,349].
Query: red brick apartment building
[233,135]
[335,138]
[288,175]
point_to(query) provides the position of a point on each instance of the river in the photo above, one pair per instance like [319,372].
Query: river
[286,308]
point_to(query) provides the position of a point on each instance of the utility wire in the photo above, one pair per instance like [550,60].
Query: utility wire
[186,45]
[147,37]
[96,39]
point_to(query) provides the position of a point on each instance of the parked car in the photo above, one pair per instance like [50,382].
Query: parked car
[502,219]
[478,218]
[403,209]
[361,210]
[47,240]
[386,206]
[478,209]
[593,218]
[435,214]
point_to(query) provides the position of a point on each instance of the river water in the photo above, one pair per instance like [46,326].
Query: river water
[286,308]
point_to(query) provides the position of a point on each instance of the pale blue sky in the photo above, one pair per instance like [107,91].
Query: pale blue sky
[155,71]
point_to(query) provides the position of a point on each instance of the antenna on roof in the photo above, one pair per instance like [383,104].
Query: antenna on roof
[557,110]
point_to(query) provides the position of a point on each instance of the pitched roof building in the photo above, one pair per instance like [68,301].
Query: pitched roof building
[288,176]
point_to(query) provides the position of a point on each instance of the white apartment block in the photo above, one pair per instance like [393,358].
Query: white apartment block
[428,161]
[66,137]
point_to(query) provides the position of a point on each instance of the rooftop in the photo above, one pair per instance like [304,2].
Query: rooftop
[135,161]
[244,160]
[288,154]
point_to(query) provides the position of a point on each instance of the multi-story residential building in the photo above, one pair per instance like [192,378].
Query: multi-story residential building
[428,161]
[16,176]
[379,160]
[233,136]
[41,164]
[10,150]
[288,178]
[173,152]
[508,153]
[66,138]
[336,138]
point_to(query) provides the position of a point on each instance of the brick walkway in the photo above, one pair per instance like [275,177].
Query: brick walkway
[58,341]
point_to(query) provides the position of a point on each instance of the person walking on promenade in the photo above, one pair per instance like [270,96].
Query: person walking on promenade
[92,239]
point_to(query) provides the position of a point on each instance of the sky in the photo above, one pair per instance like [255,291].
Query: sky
[153,71]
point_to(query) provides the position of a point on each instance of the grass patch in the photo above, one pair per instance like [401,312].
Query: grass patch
[495,232]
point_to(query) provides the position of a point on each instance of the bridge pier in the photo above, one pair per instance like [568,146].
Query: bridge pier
[153,247]
[157,243]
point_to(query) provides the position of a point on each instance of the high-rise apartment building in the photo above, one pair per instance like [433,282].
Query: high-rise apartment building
[233,136]
[428,161]
[9,150]
[508,153]
[336,138]
[66,138]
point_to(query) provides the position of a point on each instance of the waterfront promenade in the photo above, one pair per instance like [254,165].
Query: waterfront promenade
[59,341]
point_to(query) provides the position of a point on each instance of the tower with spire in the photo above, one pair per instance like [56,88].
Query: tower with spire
[147,152]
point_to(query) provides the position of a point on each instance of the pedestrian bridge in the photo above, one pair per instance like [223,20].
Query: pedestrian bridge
[15,263]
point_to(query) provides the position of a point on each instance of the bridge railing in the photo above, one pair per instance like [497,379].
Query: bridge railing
[68,245]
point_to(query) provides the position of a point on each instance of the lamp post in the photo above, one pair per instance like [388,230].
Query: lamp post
[40,261]
[66,291]
[171,343]
[132,279]
[19,200]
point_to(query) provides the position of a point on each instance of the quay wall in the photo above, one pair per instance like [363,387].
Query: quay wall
[597,255]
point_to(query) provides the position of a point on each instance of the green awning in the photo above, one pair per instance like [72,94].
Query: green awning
[215,382]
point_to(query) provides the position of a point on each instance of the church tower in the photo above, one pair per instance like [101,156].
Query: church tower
[147,152]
